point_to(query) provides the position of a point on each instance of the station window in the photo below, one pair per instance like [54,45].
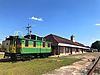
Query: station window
[43,44]
[26,42]
[34,43]
[77,50]
[49,44]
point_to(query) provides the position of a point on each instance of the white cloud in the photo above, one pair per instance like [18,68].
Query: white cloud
[35,18]
[97,24]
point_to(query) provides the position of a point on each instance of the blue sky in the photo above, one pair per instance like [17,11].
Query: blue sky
[60,17]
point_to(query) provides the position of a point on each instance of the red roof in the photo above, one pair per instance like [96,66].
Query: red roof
[58,39]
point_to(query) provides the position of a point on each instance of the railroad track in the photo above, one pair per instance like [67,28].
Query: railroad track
[90,72]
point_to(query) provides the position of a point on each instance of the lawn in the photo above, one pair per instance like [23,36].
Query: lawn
[35,66]
[1,56]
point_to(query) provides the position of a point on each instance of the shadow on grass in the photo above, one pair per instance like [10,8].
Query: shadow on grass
[5,60]
[9,60]
[14,61]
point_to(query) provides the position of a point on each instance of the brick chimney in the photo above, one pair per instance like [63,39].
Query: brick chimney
[72,38]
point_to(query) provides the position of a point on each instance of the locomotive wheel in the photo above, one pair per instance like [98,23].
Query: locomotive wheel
[13,57]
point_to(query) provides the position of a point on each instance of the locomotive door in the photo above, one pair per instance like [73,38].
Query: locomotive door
[13,46]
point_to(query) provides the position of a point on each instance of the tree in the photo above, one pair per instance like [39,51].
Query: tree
[96,45]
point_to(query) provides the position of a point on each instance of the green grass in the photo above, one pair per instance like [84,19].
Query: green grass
[35,66]
[1,56]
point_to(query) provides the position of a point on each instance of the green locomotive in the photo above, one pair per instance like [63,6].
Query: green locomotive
[27,47]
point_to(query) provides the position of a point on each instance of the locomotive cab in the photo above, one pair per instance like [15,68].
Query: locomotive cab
[9,45]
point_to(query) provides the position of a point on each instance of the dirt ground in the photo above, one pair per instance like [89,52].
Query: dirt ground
[77,68]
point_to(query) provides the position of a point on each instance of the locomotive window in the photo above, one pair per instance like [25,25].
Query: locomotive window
[49,44]
[43,44]
[6,43]
[19,42]
[34,43]
[26,42]
[14,42]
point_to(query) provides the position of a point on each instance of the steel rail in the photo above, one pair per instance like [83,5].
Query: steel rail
[93,67]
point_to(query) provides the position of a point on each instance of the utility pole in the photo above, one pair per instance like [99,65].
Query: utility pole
[28,28]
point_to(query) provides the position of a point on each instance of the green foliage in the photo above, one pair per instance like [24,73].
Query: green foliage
[35,66]
[96,45]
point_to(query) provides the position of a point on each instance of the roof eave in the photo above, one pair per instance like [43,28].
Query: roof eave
[73,46]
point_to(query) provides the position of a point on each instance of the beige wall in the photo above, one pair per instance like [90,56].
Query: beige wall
[66,50]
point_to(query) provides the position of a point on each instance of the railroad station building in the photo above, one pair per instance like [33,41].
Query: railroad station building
[63,46]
